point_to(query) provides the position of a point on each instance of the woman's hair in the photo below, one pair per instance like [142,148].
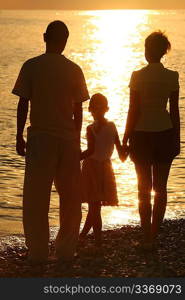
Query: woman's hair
[98,99]
[157,44]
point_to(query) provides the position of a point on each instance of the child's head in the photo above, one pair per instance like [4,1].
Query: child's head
[98,106]
[56,33]
[156,45]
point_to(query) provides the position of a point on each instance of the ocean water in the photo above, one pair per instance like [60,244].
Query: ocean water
[108,45]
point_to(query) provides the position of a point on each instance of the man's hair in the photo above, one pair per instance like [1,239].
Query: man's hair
[157,44]
[56,31]
[98,99]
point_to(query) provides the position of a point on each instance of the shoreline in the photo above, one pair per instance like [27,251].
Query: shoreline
[119,256]
[17,238]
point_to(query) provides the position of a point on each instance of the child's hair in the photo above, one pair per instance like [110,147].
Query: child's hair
[98,99]
[157,44]
[57,31]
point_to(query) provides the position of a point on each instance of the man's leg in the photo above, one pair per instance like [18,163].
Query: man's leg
[69,187]
[39,173]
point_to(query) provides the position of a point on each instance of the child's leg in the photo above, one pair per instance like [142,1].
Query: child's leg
[88,222]
[97,222]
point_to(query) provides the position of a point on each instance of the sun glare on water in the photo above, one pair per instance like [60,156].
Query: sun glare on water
[117,41]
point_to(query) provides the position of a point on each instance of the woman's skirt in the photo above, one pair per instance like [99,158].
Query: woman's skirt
[153,147]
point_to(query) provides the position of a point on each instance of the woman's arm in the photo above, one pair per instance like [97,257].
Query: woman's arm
[175,117]
[90,144]
[133,114]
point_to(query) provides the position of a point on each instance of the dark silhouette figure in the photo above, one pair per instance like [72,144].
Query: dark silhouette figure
[98,180]
[55,88]
[153,132]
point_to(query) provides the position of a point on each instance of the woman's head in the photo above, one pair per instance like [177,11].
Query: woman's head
[156,45]
[98,106]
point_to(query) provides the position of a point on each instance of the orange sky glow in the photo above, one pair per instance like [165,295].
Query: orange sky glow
[95,4]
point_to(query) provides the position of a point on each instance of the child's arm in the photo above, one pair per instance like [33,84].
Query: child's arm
[90,144]
[122,153]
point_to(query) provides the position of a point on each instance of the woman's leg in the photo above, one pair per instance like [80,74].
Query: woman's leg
[97,222]
[88,222]
[144,177]
[160,178]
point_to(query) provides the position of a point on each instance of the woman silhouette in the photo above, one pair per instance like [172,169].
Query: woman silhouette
[153,133]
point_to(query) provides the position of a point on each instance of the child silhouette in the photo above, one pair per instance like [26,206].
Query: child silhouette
[98,180]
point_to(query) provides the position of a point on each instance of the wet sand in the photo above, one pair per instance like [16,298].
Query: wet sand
[119,256]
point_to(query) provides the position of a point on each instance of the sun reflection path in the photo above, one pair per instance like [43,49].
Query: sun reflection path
[121,216]
[116,50]
[117,46]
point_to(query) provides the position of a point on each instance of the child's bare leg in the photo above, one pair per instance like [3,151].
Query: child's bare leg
[97,223]
[88,222]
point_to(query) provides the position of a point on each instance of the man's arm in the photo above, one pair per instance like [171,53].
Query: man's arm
[22,112]
[78,115]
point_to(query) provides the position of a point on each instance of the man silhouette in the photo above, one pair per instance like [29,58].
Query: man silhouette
[55,88]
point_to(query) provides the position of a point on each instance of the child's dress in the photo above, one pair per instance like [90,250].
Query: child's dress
[98,180]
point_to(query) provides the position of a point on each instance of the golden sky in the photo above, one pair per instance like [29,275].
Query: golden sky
[93,4]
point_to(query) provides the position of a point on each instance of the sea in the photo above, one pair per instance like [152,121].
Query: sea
[108,45]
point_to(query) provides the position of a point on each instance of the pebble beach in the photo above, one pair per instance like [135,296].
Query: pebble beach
[119,256]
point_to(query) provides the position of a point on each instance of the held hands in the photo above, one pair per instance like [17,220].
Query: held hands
[21,146]
[123,152]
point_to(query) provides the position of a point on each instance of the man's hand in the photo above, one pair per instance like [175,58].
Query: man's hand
[21,146]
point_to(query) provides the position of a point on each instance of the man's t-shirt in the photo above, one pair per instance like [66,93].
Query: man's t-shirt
[53,84]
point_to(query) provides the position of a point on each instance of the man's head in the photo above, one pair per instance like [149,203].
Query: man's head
[56,34]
